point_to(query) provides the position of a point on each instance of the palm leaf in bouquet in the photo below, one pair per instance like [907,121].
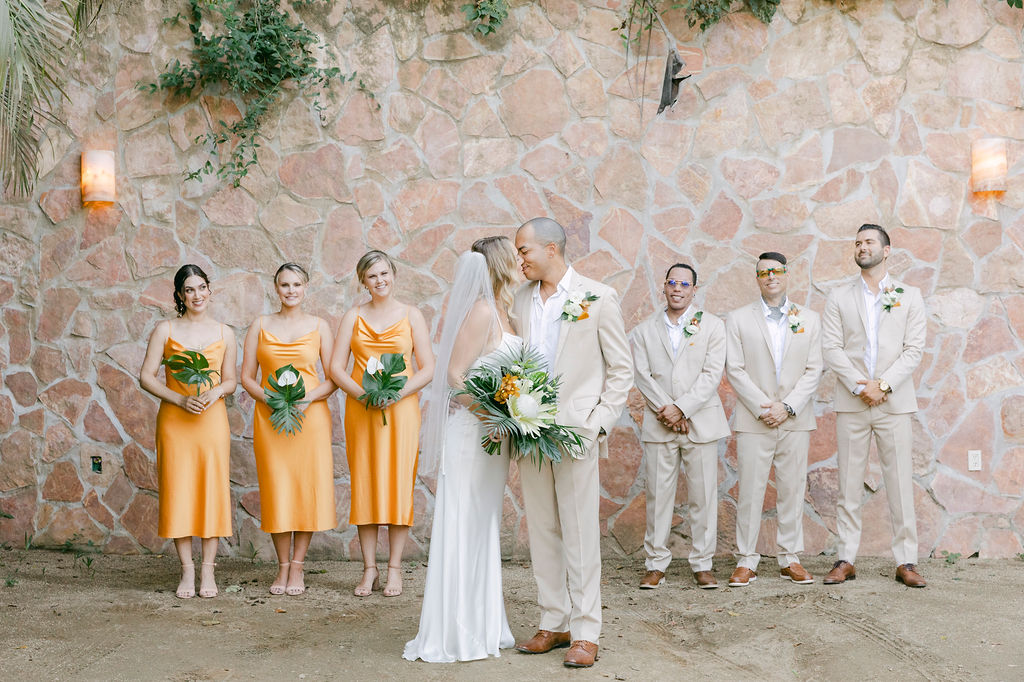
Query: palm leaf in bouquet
[383,381]
[285,393]
[191,368]
[517,399]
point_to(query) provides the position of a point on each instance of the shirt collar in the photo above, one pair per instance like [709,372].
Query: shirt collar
[766,309]
[886,282]
[563,284]
[683,319]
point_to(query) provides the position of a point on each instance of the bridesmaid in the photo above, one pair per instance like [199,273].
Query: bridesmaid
[381,458]
[295,472]
[193,439]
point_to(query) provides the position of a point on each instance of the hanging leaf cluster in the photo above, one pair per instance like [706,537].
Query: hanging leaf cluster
[251,48]
[486,15]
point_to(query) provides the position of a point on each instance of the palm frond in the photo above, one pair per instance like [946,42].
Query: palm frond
[35,42]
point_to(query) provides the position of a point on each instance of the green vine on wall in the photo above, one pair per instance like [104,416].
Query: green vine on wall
[486,15]
[251,48]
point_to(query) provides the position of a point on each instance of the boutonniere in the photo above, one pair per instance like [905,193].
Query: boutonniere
[796,323]
[575,307]
[693,326]
[891,298]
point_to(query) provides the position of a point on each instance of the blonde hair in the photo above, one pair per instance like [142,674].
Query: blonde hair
[500,255]
[371,258]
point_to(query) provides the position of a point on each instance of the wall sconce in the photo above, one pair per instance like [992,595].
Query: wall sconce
[98,177]
[988,165]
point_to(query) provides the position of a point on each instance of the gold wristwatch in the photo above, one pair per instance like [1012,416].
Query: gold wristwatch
[884,386]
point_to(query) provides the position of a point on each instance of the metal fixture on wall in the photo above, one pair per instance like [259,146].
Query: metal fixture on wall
[98,180]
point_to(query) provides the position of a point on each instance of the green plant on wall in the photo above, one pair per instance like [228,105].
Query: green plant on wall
[486,16]
[251,48]
[36,40]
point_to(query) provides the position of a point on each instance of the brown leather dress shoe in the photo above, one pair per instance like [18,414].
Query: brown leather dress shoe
[908,575]
[797,574]
[652,580]
[581,654]
[543,642]
[840,573]
[705,580]
[742,577]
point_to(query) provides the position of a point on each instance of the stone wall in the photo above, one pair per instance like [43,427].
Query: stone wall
[787,137]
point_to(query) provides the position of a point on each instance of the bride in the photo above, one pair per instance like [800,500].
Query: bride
[463,613]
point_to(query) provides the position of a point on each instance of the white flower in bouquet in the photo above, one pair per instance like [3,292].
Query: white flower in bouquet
[574,309]
[576,298]
[691,329]
[288,378]
[373,365]
[530,413]
[524,385]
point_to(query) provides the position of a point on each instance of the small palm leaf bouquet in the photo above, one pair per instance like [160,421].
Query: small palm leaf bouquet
[191,368]
[284,393]
[382,381]
[518,399]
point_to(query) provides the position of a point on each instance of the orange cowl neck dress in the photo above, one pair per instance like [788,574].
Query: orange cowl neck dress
[193,459]
[295,472]
[382,459]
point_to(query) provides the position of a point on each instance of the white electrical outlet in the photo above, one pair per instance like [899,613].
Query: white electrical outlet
[974,460]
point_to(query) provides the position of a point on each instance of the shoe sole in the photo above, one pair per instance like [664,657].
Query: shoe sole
[708,587]
[578,665]
[800,582]
[732,584]
[557,646]
[838,582]
[903,583]
[654,586]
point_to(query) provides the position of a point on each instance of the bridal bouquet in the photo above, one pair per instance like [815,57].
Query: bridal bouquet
[285,392]
[191,368]
[382,381]
[519,399]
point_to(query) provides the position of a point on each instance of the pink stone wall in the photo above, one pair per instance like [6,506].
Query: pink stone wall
[787,137]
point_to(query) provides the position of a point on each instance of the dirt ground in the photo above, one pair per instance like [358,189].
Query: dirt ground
[62,618]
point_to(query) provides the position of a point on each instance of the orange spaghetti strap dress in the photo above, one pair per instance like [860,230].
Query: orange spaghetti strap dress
[295,472]
[193,454]
[382,459]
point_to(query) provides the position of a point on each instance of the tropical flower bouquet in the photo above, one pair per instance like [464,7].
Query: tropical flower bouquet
[518,400]
[191,368]
[284,393]
[382,381]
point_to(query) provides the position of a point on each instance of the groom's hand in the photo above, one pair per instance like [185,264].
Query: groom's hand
[671,416]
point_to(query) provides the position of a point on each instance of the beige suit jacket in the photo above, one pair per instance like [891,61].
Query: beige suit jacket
[688,379]
[901,339]
[751,368]
[592,358]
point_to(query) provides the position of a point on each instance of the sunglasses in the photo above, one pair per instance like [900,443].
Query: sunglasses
[673,283]
[765,274]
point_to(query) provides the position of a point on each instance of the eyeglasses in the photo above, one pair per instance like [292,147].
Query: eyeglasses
[765,274]
[673,283]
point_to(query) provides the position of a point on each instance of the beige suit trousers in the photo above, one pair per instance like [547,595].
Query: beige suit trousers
[562,502]
[894,438]
[700,465]
[756,452]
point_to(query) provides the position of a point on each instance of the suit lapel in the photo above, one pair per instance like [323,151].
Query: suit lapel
[887,319]
[662,334]
[525,310]
[756,312]
[857,290]
[563,327]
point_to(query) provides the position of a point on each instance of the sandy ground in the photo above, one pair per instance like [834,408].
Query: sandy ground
[117,619]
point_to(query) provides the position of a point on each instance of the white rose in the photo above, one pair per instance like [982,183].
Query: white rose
[574,309]
[373,365]
[691,329]
[794,319]
[288,378]
[576,298]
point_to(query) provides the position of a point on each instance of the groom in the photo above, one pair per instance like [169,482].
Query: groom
[577,324]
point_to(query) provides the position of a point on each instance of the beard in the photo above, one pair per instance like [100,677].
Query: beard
[867,262]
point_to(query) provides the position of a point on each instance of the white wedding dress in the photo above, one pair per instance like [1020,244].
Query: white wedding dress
[463,613]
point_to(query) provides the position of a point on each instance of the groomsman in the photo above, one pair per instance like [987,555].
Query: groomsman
[577,324]
[773,362]
[873,333]
[679,356]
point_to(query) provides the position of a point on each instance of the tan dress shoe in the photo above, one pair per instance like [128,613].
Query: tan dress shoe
[797,574]
[543,642]
[581,654]
[742,577]
[705,580]
[908,575]
[840,573]
[652,580]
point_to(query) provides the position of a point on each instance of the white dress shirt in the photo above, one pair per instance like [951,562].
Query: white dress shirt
[675,331]
[546,318]
[873,307]
[777,332]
